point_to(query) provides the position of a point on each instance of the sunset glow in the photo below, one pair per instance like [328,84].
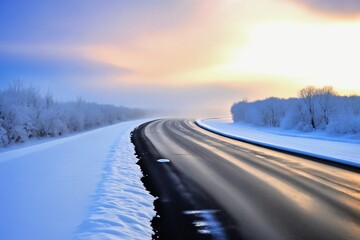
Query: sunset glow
[256,48]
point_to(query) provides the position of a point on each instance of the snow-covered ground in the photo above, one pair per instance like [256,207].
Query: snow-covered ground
[86,186]
[337,149]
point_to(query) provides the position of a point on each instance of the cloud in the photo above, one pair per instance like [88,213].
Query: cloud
[66,76]
[57,66]
[333,7]
[162,55]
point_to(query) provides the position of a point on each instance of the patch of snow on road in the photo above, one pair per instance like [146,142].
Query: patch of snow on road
[336,149]
[206,223]
[163,160]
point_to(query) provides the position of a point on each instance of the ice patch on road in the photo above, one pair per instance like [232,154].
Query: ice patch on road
[206,223]
[260,156]
[163,160]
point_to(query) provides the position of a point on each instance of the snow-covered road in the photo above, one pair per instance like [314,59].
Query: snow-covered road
[74,187]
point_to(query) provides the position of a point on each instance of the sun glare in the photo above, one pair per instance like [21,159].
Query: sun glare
[313,54]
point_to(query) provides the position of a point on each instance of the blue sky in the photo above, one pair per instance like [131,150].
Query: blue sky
[90,20]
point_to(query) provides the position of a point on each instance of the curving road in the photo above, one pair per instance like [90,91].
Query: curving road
[217,188]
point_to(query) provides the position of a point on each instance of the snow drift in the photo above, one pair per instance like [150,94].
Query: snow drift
[86,186]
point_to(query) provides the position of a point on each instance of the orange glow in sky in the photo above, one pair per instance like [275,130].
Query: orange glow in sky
[251,48]
[240,41]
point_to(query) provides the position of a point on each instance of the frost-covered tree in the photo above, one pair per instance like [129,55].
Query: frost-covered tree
[307,96]
[347,117]
[272,111]
[268,112]
[314,109]
[326,100]
[317,105]
[25,113]
[238,110]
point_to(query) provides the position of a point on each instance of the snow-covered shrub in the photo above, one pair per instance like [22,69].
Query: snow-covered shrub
[238,111]
[268,112]
[345,125]
[272,111]
[4,140]
[293,117]
[347,117]
[17,124]
[49,124]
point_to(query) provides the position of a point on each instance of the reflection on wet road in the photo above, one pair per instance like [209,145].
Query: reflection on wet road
[267,194]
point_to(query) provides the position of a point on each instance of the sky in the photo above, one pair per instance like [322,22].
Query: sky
[194,57]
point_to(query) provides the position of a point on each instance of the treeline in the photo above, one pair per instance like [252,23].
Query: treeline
[313,109]
[25,113]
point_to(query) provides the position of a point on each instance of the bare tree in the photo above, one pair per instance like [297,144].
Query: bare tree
[325,99]
[307,95]
[16,86]
[272,111]
[49,100]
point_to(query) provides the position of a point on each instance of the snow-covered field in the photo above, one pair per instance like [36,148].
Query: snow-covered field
[337,149]
[86,186]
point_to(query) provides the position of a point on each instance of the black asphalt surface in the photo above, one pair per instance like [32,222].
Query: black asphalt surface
[219,188]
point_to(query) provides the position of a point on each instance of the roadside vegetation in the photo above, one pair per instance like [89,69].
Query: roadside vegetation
[25,113]
[314,109]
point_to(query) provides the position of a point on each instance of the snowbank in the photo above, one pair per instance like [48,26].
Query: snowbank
[86,186]
[339,150]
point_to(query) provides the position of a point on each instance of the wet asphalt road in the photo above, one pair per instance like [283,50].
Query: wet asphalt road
[235,190]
